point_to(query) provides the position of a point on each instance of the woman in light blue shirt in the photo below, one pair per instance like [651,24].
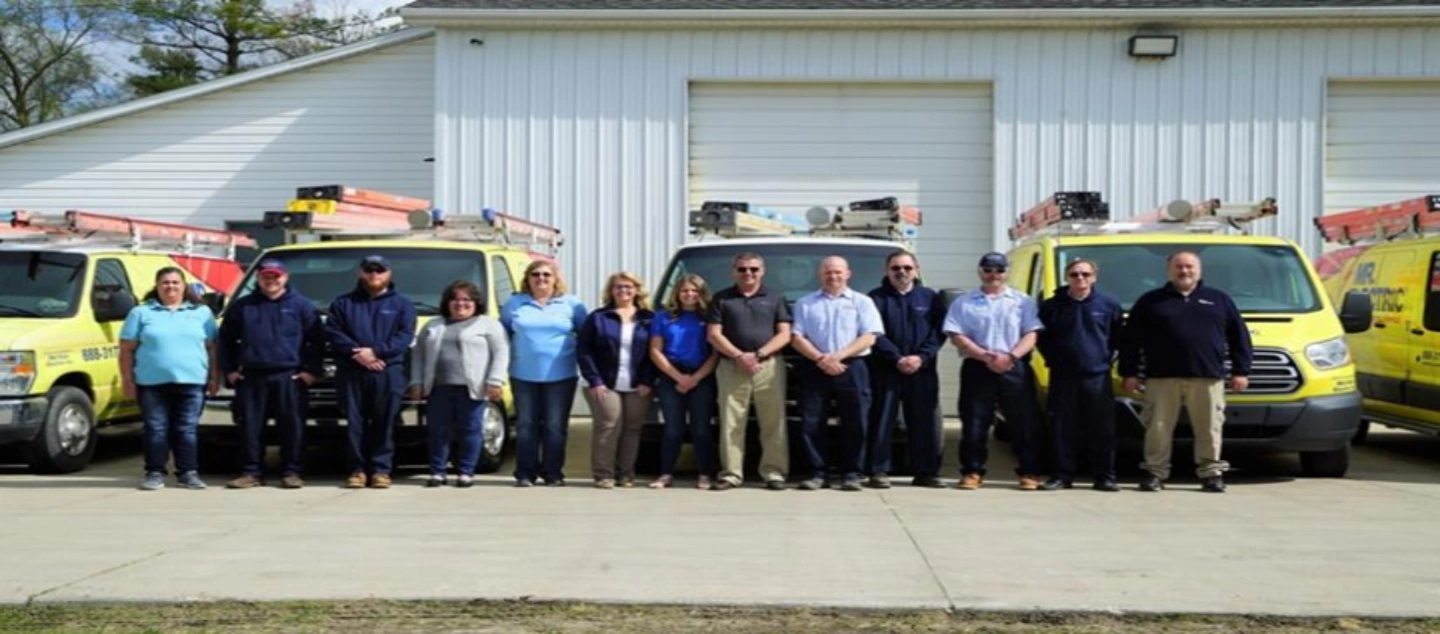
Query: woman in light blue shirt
[167,361]
[542,320]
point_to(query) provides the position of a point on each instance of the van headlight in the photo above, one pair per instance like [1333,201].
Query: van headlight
[1328,354]
[17,373]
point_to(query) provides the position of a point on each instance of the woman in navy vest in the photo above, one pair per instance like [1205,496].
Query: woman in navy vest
[614,359]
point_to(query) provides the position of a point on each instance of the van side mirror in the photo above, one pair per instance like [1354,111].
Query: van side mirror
[215,300]
[1356,312]
[111,305]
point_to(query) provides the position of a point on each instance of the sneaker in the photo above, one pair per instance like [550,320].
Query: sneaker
[245,482]
[465,481]
[1212,484]
[853,484]
[605,483]
[929,482]
[292,481]
[190,480]
[970,482]
[1108,485]
[524,483]
[663,482]
[380,481]
[154,481]
[435,481]
[775,485]
[356,480]
[703,483]
[558,482]
[725,485]
[1151,483]
[813,484]
[1055,484]
[879,481]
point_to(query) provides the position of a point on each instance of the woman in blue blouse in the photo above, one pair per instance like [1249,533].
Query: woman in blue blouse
[542,320]
[686,385]
[167,361]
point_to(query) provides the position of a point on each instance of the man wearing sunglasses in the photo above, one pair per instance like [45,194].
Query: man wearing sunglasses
[1080,339]
[750,326]
[995,328]
[904,374]
[370,329]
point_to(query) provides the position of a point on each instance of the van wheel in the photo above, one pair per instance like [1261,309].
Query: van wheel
[1325,464]
[67,441]
[496,428]
[1362,433]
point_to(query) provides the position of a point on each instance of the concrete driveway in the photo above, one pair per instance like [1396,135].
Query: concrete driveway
[1274,544]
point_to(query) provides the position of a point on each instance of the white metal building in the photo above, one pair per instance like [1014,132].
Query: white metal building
[611,118]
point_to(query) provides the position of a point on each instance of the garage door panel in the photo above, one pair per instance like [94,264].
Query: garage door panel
[866,135]
[801,150]
[1382,142]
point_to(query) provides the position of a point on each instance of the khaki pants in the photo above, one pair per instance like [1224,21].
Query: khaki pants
[766,389]
[618,418]
[1204,399]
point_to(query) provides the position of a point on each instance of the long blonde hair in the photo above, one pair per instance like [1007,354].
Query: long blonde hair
[560,287]
[672,303]
[642,297]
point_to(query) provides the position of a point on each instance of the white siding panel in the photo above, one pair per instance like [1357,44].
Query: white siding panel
[1382,142]
[364,121]
[792,147]
[1238,114]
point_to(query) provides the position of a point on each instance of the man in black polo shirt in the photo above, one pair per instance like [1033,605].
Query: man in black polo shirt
[1184,331]
[749,326]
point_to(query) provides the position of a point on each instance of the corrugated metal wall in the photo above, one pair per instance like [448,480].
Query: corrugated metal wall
[587,129]
[232,155]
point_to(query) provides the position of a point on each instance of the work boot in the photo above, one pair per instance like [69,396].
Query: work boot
[970,482]
[292,481]
[1029,482]
[1212,484]
[356,480]
[380,481]
[246,481]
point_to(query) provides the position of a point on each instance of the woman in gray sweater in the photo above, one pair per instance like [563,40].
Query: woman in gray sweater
[459,363]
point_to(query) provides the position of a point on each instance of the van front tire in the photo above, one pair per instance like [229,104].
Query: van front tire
[67,441]
[1325,464]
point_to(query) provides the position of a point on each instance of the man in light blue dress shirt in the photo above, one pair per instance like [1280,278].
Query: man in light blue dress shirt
[834,329]
[995,328]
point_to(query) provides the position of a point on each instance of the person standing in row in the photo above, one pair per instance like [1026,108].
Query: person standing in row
[272,346]
[542,319]
[904,374]
[614,357]
[459,365]
[749,326]
[834,329]
[685,383]
[167,361]
[995,328]
[1082,330]
[370,330]
[1183,332]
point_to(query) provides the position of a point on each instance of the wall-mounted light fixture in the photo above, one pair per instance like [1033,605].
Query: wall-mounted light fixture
[1157,46]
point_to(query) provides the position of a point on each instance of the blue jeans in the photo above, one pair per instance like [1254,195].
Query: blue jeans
[450,412]
[694,410]
[371,402]
[542,412]
[171,412]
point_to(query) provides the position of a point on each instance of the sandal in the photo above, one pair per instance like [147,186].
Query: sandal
[703,484]
[662,483]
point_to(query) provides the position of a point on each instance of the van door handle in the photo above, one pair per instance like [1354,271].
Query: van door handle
[1379,325]
[1416,331]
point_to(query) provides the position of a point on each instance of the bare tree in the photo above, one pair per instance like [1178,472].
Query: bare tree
[45,66]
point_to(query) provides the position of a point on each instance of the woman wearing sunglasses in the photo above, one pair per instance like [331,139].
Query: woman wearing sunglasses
[542,319]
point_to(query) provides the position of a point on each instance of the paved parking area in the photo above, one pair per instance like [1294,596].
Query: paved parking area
[1274,544]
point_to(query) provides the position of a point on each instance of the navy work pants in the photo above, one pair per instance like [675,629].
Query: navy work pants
[1082,412]
[371,401]
[262,395]
[918,397]
[1014,392]
[850,392]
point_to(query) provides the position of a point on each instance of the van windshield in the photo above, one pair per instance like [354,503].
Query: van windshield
[419,274]
[1260,278]
[789,267]
[40,284]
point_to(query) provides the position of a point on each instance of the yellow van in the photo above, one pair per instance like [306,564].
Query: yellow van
[422,269]
[1397,361]
[1302,395]
[61,308]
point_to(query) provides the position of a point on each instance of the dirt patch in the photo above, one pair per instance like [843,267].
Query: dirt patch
[516,617]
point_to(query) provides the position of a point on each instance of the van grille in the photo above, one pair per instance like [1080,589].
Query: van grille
[1273,371]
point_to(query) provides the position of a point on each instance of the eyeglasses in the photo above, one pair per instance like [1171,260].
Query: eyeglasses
[374,269]
[541,274]
[747,269]
[993,269]
[1080,274]
[902,268]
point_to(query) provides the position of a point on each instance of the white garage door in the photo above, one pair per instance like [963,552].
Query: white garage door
[793,146]
[1382,143]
